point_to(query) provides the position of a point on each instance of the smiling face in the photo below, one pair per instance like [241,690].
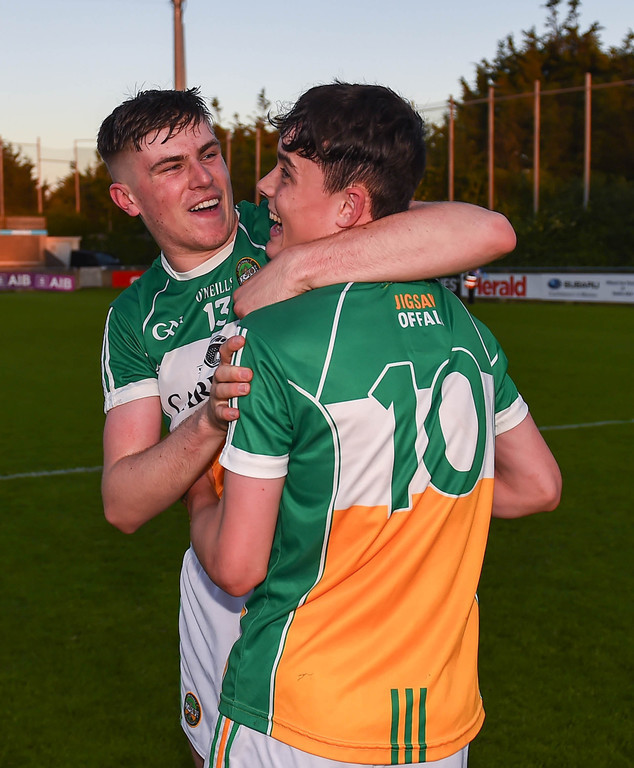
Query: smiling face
[182,191]
[299,206]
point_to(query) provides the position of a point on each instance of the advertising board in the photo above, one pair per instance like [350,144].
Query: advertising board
[36,281]
[554,286]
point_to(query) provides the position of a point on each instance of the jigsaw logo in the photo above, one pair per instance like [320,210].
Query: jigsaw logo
[416,309]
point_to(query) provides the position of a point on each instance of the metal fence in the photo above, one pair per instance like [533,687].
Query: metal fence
[51,165]
[537,94]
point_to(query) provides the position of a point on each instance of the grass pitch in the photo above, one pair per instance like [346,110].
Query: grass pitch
[89,652]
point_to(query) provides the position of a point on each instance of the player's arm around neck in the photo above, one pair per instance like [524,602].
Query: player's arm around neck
[429,240]
[143,475]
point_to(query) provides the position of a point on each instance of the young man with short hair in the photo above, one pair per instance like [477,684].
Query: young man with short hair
[360,477]
[162,334]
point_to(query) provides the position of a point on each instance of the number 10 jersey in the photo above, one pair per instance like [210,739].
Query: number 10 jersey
[380,404]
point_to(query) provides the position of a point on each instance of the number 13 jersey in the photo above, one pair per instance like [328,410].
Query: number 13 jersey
[163,333]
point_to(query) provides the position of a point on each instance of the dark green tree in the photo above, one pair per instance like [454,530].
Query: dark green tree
[20,185]
[559,59]
[100,224]
[563,233]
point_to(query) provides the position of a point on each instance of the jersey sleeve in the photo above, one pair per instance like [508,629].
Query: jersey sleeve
[510,407]
[258,443]
[126,371]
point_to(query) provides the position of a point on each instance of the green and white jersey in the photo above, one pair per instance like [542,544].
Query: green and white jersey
[163,333]
[379,403]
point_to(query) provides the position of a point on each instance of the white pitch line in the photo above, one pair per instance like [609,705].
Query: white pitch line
[50,473]
[78,470]
[589,424]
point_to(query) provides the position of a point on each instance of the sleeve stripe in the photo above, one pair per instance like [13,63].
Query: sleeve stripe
[253,465]
[107,379]
[512,416]
[134,391]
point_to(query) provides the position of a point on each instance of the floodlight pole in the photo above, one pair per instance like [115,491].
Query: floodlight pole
[587,145]
[77,196]
[536,142]
[40,202]
[451,149]
[491,160]
[179,47]
[258,155]
[1,183]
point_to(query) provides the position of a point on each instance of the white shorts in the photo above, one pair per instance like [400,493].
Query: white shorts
[209,624]
[240,747]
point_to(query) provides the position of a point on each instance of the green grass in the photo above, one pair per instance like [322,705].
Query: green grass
[555,595]
[89,651]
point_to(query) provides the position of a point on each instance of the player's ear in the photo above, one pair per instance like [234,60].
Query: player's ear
[123,198]
[354,208]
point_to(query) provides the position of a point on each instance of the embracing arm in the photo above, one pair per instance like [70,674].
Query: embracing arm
[142,474]
[527,478]
[429,240]
[232,537]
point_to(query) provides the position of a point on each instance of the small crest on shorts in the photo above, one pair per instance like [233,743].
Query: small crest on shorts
[191,710]
[245,268]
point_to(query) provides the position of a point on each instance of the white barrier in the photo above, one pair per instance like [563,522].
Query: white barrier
[554,286]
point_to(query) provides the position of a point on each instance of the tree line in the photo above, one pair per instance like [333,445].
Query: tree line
[562,233]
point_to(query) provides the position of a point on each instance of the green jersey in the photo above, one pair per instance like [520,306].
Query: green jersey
[163,333]
[380,405]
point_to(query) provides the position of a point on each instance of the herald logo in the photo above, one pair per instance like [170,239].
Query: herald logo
[513,286]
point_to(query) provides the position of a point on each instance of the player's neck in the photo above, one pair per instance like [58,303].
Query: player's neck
[185,261]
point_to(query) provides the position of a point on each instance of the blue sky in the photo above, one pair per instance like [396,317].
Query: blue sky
[65,64]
